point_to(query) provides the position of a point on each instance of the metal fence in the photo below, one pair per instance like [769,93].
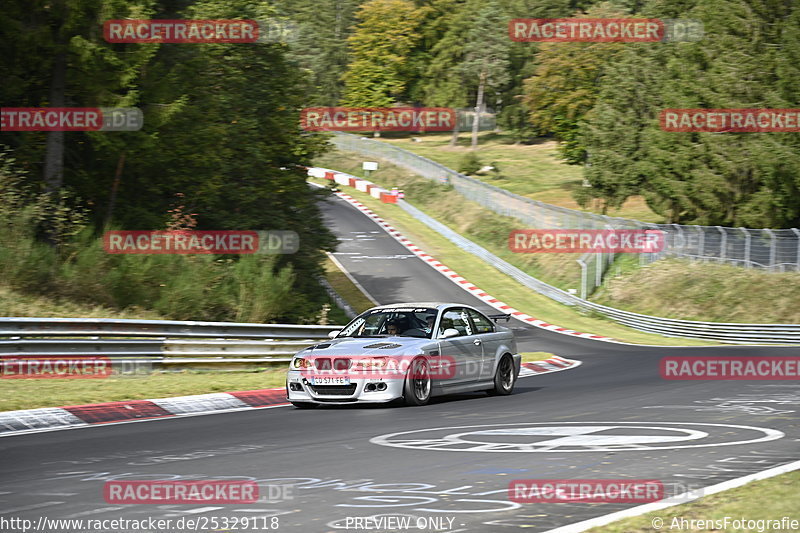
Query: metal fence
[138,345]
[775,250]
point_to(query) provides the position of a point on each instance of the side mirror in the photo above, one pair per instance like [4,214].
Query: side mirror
[449,332]
[333,333]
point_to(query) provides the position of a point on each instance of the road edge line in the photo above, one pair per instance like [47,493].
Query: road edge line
[676,500]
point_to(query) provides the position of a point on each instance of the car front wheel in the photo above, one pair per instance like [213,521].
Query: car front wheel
[417,390]
[504,378]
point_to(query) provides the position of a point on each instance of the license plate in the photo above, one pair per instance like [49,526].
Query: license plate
[330,381]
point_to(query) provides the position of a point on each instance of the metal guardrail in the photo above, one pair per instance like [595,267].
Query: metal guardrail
[337,299]
[156,342]
[81,327]
[717,331]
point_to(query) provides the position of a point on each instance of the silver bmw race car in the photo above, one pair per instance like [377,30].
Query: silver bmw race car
[408,351]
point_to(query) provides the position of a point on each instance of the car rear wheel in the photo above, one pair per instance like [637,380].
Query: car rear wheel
[305,405]
[504,378]
[417,390]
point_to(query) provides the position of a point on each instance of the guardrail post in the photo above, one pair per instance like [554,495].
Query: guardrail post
[682,240]
[797,242]
[746,248]
[701,248]
[722,244]
[598,270]
[772,244]
[584,279]
[648,257]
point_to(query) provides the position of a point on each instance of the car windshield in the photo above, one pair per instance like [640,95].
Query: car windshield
[395,322]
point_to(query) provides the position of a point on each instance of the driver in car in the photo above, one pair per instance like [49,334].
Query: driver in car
[392,328]
[429,320]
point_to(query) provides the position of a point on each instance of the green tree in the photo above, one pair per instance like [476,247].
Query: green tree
[438,17]
[729,179]
[612,133]
[319,44]
[74,66]
[231,145]
[748,59]
[565,85]
[443,83]
[221,127]
[470,59]
[380,46]
[485,55]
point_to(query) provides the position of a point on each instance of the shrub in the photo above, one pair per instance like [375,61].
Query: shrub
[470,163]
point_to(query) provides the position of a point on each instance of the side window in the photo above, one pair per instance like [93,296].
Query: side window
[482,324]
[458,319]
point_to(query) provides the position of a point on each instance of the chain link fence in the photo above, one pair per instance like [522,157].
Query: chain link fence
[775,250]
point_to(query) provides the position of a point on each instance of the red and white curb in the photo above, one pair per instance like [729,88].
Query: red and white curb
[547,366]
[78,416]
[346,179]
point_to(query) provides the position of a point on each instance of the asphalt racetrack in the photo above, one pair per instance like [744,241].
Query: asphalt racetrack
[446,466]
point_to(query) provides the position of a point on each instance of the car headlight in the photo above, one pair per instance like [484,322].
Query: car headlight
[301,363]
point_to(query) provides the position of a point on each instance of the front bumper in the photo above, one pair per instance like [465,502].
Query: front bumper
[360,390]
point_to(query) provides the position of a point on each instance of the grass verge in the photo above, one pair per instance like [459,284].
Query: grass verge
[35,393]
[346,288]
[529,357]
[700,291]
[531,170]
[503,287]
[768,499]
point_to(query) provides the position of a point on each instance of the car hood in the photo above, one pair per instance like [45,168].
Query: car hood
[371,346]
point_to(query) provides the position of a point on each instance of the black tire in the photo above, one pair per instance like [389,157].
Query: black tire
[417,389]
[305,405]
[504,377]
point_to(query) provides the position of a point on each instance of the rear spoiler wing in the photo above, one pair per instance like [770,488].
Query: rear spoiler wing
[503,316]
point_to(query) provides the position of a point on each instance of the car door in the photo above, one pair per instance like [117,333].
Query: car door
[490,339]
[465,351]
